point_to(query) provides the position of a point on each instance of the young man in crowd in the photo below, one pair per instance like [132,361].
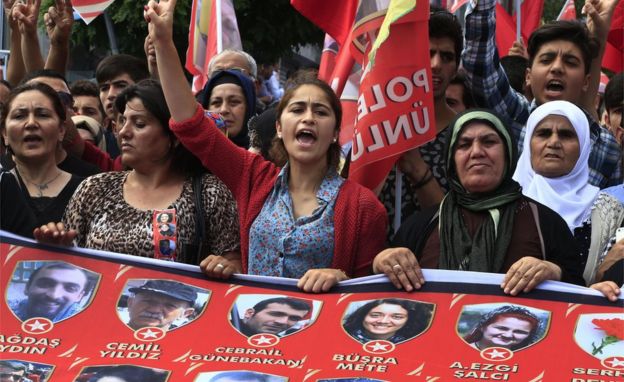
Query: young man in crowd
[614,103]
[564,64]
[457,95]
[87,103]
[423,167]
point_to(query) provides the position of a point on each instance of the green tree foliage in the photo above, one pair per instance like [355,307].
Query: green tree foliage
[269,29]
[130,29]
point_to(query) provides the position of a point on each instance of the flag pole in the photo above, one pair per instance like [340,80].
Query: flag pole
[518,20]
[398,187]
[219,27]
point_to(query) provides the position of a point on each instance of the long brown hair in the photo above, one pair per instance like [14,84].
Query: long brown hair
[278,150]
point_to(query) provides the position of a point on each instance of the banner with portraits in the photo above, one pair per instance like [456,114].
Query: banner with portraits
[89,316]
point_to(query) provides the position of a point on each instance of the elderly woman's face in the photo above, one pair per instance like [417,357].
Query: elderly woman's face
[384,320]
[143,138]
[229,101]
[32,127]
[479,158]
[505,332]
[554,147]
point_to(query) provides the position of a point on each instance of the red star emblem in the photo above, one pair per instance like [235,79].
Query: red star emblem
[263,340]
[149,334]
[496,353]
[37,325]
[613,363]
[378,347]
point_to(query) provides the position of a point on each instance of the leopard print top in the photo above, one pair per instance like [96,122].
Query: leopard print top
[105,221]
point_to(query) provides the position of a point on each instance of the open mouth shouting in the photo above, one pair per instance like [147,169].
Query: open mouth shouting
[306,137]
[555,88]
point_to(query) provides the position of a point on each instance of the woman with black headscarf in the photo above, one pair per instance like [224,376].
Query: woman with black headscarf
[484,223]
[231,94]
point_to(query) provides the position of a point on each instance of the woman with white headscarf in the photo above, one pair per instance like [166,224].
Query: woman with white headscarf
[553,166]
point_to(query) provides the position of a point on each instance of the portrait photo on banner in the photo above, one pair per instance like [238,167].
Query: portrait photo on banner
[390,319]
[600,334]
[55,290]
[510,326]
[238,376]
[13,370]
[121,373]
[160,303]
[275,314]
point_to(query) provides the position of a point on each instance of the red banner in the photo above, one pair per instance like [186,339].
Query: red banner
[395,103]
[79,315]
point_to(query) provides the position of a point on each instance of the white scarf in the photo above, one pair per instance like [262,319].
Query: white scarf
[570,195]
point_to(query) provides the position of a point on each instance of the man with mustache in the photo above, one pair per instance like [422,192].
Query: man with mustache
[272,316]
[54,291]
[159,303]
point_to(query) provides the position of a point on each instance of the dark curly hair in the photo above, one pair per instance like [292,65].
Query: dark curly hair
[418,316]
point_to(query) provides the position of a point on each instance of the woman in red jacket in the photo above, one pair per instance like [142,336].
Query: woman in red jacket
[301,221]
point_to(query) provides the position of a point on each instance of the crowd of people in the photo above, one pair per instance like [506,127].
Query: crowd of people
[521,179]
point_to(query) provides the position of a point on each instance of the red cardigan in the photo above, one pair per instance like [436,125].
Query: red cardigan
[359,218]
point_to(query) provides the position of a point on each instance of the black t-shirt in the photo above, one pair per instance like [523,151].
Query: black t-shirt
[46,209]
[16,216]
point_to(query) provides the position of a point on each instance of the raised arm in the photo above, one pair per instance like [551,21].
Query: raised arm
[484,74]
[180,99]
[15,66]
[599,14]
[27,14]
[59,21]
[239,169]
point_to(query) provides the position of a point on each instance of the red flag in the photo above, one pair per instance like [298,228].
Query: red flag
[332,16]
[614,51]
[531,15]
[90,9]
[336,19]
[213,28]
[395,104]
[505,30]
[568,11]
[613,58]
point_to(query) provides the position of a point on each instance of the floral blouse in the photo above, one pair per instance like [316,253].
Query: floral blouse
[282,246]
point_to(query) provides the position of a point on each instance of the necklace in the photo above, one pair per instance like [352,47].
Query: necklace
[43,186]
